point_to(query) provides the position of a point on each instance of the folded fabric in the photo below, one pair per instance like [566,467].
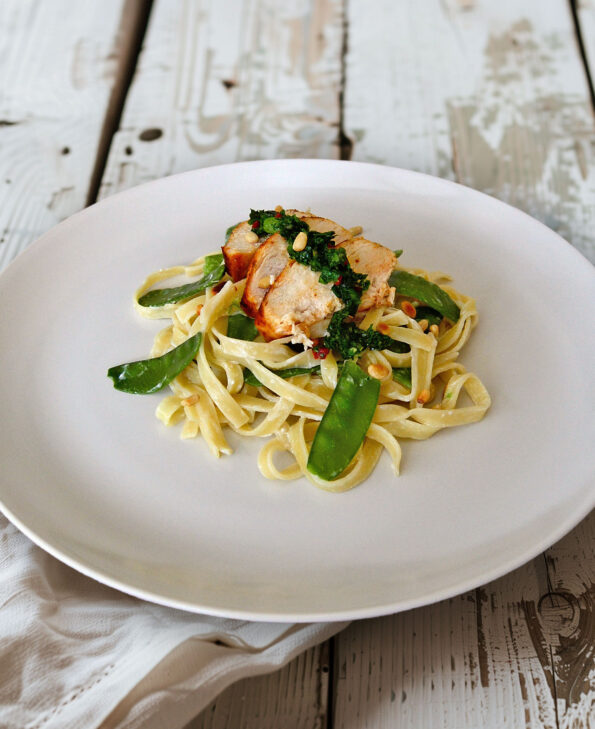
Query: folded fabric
[75,653]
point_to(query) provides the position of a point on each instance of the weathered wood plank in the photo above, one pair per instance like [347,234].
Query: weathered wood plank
[59,62]
[493,95]
[221,82]
[483,659]
[567,620]
[240,80]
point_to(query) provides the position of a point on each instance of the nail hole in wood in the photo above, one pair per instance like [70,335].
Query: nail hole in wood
[65,150]
[150,135]
[229,83]
[128,150]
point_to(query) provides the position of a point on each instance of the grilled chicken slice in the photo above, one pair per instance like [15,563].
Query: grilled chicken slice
[377,262]
[268,262]
[239,249]
[295,302]
[323,225]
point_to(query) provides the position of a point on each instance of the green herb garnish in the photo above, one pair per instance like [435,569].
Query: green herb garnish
[350,341]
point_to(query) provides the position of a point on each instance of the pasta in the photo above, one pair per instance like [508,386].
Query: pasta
[241,384]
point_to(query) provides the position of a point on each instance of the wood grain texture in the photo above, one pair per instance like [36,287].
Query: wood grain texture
[492,94]
[59,61]
[239,80]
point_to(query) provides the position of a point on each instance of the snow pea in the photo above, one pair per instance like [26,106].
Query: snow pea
[251,379]
[149,375]
[240,326]
[345,422]
[212,273]
[402,375]
[416,287]
[429,314]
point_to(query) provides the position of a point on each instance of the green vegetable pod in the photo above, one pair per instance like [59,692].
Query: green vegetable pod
[150,375]
[213,272]
[251,379]
[240,326]
[430,294]
[345,422]
[402,375]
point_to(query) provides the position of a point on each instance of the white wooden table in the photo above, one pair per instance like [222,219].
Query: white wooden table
[100,95]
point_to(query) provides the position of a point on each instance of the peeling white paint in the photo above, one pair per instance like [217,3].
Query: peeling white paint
[496,98]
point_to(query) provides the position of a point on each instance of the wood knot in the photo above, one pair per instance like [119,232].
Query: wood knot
[559,613]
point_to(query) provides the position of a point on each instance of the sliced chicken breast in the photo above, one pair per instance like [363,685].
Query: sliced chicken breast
[268,262]
[239,249]
[323,225]
[377,262]
[295,302]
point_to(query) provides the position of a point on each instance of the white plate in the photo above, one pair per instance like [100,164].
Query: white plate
[91,476]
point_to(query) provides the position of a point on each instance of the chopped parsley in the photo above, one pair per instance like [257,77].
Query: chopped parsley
[321,254]
[271,221]
[350,341]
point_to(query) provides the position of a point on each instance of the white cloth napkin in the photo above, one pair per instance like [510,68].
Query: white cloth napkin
[74,653]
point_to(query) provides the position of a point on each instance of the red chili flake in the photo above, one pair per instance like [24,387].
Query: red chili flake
[256,224]
[339,280]
[278,215]
[315,342]
[320,352]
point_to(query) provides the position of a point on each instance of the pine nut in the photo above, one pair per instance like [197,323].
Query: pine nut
[434,329]
[423,323]
[377,371]
[278,209]
[251,237]
[300,242]
[356,230]
[409,309]
[423,397]
[265,282]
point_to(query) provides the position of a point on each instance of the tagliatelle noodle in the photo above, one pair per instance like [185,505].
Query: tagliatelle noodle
[211,393]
